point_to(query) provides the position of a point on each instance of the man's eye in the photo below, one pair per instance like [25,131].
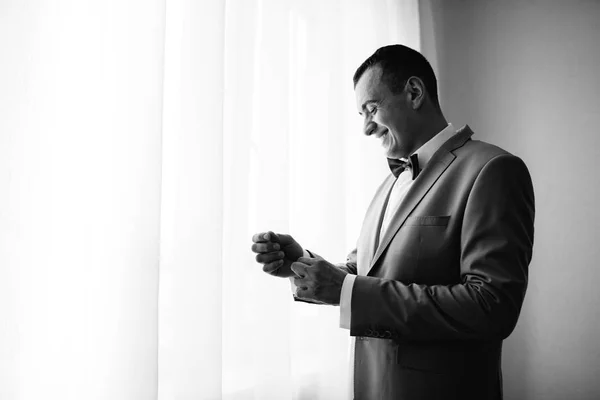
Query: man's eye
[372,109]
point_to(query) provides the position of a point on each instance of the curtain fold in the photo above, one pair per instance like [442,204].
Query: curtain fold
[191,245]
[143,143]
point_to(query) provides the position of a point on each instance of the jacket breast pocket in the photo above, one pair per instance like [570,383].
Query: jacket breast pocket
[426,220]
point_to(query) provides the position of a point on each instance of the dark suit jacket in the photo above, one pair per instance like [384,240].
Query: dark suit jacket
[445,284]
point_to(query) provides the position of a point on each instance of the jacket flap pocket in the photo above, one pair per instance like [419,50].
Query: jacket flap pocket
[434,358]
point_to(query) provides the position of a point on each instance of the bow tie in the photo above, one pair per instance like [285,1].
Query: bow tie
[397,166]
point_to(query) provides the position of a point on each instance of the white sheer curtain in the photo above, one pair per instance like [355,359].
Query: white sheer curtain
[142,144]
[80,162]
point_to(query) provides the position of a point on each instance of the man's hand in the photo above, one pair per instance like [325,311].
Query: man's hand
[318,280]
[277,252]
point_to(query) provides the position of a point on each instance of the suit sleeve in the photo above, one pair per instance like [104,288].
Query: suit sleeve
[496,248]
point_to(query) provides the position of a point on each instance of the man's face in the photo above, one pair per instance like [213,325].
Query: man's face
[386,116]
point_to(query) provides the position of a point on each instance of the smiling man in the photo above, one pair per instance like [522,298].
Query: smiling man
[387,114]
[439,274]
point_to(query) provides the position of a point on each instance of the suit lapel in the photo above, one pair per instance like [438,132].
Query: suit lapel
[440,161]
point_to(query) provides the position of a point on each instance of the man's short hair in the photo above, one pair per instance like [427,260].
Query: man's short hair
[399,63]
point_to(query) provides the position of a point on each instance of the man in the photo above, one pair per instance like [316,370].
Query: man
[438,276]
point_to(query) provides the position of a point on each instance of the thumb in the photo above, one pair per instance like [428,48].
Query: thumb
[298,269]
[271,236]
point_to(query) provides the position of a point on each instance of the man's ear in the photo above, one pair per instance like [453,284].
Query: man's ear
[415,88]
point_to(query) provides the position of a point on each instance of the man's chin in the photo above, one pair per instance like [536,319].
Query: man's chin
[392,154]
[396,153]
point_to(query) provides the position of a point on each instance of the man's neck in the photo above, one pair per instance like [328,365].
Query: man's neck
[429,129]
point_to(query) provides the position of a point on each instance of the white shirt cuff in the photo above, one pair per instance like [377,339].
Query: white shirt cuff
[346,301]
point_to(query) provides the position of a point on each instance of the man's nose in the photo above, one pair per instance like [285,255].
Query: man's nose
[369,126]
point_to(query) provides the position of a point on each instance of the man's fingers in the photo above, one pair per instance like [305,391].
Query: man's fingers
[302,283]
[265,258]
[307,260]
[272,266]
[265,247]
[273,237]
[304,293]
[299,269]
[259,237]
[265,237]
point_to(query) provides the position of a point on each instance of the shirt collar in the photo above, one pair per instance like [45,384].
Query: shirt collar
[426,151]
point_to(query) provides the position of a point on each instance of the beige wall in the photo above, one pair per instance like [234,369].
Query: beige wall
[525,75]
